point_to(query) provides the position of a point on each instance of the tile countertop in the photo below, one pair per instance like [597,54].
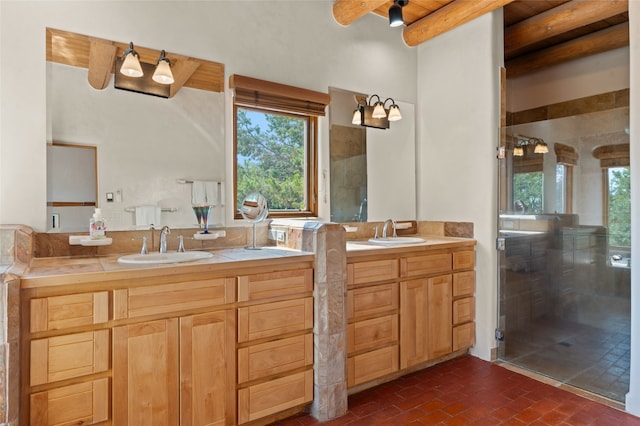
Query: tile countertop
[432,242]
[52,271]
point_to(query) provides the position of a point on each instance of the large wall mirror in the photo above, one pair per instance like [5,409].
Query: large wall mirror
[372,171]
[149,149]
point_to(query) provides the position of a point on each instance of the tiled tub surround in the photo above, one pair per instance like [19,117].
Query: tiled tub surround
[326,240]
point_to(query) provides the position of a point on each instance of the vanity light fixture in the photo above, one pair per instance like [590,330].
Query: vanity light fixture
[143,77]
[395,13]
[163,74]
[131,63]
[374,114]
[539,146]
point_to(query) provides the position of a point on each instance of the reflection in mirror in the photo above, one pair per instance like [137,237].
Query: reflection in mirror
[254,209]
[147,145]
[569,178]
[71,185]
[372,171]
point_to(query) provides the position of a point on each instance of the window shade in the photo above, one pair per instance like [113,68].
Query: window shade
[252,92]
[565,154]
[612,155]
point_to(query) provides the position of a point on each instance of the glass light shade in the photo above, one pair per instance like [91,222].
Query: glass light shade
[131,66]
[163,74]
[378,111]
[395,16]
[541,148]
[357,117]
[394,113]
[518,151]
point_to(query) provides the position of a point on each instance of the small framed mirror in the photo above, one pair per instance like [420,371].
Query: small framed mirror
[254,209]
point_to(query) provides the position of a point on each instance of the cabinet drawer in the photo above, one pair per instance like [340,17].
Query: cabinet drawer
[64,357]
[463,259]
[371,365]
[372,300]
[74,310]
[266,359]
[464,283]
[372,271]
[274,284]
[464,336]
[175,297]
[425,265]
[464,310]
[274,396]
[82,403]
[273,319]
[372,333]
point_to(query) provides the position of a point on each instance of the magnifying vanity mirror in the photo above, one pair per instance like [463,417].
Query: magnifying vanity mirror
[254,209]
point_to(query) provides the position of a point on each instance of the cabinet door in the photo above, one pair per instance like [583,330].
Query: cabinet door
[413,322]
[207,367]
[440,316]
[145,374]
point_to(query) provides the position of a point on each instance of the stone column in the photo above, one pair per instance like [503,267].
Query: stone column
[327,241]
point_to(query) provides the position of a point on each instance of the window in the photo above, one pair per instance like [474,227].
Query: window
[618,215]
[275,147]
[564,188]
[527,192]
[616,178]
[275,156]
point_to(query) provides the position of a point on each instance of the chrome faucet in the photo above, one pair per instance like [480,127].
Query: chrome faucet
[384,227]
[163,238]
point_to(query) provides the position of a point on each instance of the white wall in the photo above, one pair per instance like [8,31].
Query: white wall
[299,44]
[457,129]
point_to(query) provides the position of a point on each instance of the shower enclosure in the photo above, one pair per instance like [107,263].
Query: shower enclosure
[564,268]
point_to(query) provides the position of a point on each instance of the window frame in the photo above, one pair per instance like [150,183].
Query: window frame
[311,161]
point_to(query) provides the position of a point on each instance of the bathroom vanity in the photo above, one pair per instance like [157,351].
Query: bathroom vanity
[103,342]
[230,339]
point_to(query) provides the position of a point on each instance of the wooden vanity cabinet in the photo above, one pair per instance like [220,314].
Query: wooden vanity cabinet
[437,305]
[177,369]
[275,342]
[67,363]
[372,317]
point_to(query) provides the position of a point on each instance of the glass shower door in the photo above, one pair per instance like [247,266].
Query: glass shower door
[564,273]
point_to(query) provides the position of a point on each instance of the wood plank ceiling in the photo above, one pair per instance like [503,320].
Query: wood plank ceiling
[537,33]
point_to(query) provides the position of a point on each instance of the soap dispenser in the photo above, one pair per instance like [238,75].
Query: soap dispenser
[97,227]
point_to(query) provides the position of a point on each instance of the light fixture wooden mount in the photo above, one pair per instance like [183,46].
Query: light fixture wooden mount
[98,56]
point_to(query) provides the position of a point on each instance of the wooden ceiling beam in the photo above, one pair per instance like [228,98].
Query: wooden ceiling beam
[447,18]
[558,20]
[182,71]
[102,56]
[346,12]
[598,42]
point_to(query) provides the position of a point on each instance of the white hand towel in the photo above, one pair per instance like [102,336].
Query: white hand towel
[222,193]
[211,189]
[198,193]
[148,215]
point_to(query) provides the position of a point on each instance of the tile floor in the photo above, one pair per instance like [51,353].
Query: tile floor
[470,391]
[595,359]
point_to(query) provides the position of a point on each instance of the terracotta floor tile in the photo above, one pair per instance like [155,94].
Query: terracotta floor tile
[470,391]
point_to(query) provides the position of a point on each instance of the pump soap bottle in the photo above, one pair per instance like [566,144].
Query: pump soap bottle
[97,227]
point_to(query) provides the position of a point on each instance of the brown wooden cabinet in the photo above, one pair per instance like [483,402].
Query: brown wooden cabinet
[372,315]
[407,309]
[275,342]
[162,349]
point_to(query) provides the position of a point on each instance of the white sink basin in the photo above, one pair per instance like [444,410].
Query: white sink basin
[395,241]
[158,258]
